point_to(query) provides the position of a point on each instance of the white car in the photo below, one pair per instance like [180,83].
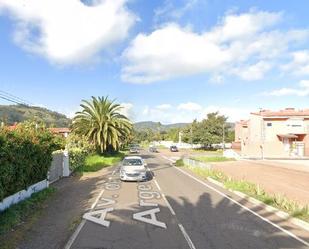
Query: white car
[133,168]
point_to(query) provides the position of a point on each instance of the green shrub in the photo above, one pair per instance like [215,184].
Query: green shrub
[75,141]
[96,162]
[25,157]
[179,163]
[77,158]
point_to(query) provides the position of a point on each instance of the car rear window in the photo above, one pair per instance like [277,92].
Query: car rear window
[132,162]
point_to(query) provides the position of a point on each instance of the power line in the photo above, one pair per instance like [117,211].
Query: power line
[14,99]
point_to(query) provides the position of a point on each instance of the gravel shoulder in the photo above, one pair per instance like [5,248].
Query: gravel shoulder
[294,184]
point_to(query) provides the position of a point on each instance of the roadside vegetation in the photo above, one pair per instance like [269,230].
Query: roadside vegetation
[25,156]
[25,210]
[100,131]
[97,162]
[210,159]
[278,201]
[207,132]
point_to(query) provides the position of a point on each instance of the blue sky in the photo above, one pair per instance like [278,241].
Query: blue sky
[168,61]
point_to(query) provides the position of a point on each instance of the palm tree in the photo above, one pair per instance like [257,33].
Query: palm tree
[102,123]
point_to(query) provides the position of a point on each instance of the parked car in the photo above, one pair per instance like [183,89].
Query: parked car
[133,168]
[153,149]
[173,148]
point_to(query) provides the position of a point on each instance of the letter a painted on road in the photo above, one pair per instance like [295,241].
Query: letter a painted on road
[98,216]
[152,220]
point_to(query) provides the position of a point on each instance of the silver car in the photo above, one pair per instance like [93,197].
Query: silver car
[133,168]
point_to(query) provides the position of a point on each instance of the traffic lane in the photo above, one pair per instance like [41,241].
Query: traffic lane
[214,221]
[139,219]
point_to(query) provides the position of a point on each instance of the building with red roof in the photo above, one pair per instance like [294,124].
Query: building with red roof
[274,134]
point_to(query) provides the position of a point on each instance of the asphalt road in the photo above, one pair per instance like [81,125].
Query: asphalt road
[177,210]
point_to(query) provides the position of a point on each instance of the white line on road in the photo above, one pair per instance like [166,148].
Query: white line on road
[81,225]
[166,201]
[182,229]
[157,185]
[190,243]
[244,207]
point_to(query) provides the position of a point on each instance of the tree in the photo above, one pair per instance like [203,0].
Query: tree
[207,132]
[102,124]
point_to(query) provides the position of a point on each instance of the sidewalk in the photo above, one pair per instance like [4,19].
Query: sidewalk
[275,177]
[63,213]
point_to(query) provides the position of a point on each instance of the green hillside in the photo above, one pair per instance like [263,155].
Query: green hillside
[156,126]
[9,114]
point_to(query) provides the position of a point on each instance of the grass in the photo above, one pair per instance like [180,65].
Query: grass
[209,159]
[27,209]
[218,152]
[179,163]
[278,201]
[96,162]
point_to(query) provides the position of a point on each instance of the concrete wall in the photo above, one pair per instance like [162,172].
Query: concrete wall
[59,166]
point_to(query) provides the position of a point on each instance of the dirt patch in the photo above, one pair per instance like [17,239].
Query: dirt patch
[52,227]
[293,184]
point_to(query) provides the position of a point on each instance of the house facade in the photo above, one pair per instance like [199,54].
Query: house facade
[274,134]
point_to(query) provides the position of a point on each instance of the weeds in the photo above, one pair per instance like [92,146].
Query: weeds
[255,191]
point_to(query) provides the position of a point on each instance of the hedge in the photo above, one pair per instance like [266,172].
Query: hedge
[77,158]
[25,157]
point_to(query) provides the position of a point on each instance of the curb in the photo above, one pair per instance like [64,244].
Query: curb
[281,214]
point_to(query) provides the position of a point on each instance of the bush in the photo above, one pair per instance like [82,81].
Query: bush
[75,141]
[77,158]
[25,157]
[179,163]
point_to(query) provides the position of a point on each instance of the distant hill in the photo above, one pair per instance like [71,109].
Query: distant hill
[157,126]
[9,114]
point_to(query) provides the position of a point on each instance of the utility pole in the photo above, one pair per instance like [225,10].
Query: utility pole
[191,139]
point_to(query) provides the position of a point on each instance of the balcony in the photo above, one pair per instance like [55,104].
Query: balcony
[296,127]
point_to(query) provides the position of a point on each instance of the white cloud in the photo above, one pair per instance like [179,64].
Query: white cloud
[233,113]
[302,90]
[299,64]
[244,45]
[127,110]
[253,72]
[186,116]
[190,106]
[68,32]
[164,106]
[169,10]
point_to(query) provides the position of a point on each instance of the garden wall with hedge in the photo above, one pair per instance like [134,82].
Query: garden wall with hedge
[25,157]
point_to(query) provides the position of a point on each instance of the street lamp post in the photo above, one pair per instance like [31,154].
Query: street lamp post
[223,137]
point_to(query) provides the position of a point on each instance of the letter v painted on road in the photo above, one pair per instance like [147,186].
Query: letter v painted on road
[106,202]
[98,216]
[152,220]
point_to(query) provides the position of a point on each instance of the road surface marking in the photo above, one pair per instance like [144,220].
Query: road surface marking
[157,185]
[81,225]
[182,229]
[244,207]
[166,201]
[145,193]
[153,218]
[98,216]
[187,237]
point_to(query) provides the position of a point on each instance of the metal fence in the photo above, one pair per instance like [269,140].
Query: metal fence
[194,163]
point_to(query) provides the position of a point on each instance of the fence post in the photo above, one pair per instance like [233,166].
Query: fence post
[65,164]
